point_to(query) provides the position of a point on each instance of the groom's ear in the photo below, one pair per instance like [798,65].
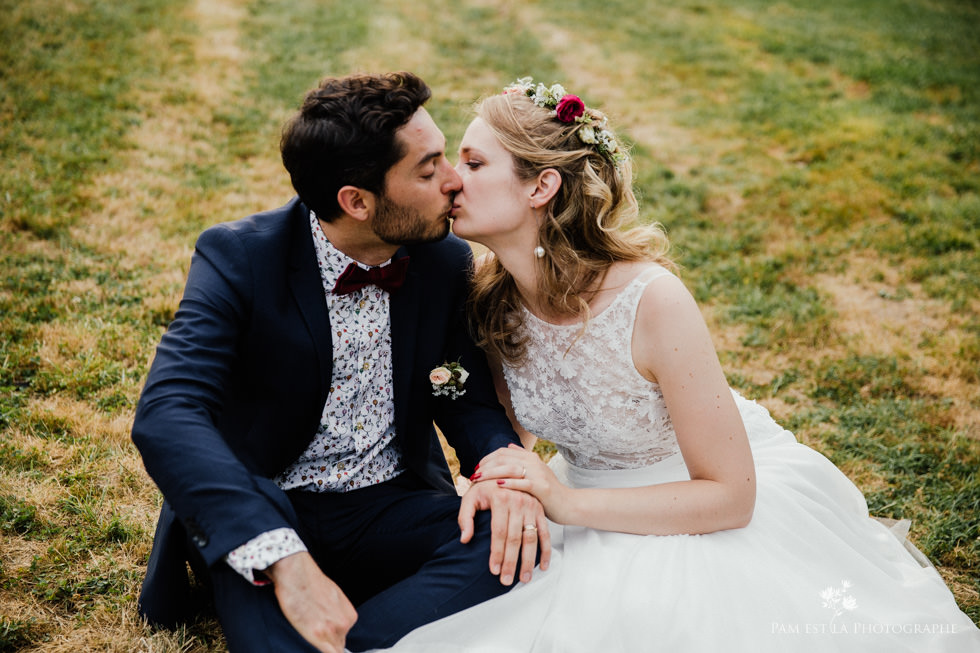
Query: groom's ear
[356,202]
[549,181]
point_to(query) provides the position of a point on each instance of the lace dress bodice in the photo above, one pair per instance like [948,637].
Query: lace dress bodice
[582,391]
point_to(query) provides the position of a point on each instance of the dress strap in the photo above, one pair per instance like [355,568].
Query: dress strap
[639,284]
[653,272]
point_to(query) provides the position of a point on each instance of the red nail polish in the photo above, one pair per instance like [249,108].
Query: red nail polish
[500,481]
[475,477]
[477,467]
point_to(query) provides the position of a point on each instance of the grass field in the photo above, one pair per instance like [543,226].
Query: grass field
[816,164]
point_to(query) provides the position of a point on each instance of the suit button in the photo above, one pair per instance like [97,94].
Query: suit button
[198,538]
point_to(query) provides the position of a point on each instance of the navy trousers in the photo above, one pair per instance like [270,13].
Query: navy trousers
[393,549]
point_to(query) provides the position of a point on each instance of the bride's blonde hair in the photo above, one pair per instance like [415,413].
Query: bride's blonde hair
[583,231]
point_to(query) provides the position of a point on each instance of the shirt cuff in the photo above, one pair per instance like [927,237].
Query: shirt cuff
[262,551]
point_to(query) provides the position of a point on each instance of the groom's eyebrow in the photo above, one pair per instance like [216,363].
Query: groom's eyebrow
[428,157]
[432,154]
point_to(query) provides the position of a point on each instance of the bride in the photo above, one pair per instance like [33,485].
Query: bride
[684,518]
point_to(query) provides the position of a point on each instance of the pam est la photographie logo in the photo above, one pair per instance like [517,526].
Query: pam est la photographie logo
[839,600]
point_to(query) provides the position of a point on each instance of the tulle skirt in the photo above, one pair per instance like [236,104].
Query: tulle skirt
[811,572]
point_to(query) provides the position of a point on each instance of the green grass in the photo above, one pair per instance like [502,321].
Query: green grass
[64,108]
[816,166]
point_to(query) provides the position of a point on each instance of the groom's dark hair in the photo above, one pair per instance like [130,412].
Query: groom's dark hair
[344,134]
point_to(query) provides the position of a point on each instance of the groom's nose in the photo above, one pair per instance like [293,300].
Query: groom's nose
[453,181]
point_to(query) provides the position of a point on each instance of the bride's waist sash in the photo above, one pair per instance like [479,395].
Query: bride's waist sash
[671,468]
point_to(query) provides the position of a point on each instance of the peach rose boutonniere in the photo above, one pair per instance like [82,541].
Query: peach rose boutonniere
[447,380]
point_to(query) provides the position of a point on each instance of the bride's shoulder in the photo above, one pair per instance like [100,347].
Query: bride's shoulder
[667,324]
[623,273]
[664,296]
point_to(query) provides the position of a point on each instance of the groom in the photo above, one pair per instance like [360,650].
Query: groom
[288,414]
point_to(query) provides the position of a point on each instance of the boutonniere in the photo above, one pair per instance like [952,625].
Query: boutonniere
[448,379]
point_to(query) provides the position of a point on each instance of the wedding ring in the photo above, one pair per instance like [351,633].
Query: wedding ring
[530,527]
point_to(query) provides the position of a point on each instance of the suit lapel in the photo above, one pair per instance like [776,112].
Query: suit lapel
[405,305]
[307,289]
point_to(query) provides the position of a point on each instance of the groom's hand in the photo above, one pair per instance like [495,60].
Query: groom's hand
[314,605]
[510,512]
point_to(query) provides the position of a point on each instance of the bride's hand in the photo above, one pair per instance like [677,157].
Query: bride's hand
[516,468]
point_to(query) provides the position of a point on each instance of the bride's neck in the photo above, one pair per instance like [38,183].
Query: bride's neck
[523,267]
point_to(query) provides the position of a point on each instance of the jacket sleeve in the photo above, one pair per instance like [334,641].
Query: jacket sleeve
[475,424]
[219,500]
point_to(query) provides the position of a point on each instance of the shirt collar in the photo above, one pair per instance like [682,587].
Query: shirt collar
[332,261]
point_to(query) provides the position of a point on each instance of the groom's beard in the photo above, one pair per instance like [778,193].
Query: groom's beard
[401,225]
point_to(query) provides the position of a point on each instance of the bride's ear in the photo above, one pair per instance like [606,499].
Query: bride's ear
[549,181]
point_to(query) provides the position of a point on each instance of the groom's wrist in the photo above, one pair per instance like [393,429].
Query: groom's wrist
[253,558]
[295,565]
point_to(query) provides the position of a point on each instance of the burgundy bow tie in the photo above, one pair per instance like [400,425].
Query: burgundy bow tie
[390,277]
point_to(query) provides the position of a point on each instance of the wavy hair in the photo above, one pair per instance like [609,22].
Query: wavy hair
[345,134]
[589,224]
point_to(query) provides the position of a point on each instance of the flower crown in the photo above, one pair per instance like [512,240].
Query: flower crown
[570,108]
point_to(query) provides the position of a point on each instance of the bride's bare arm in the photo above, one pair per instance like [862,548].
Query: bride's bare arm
[503,395]
[500,385]
[672,346]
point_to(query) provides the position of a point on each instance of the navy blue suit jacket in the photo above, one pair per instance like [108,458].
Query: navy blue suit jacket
[239,381]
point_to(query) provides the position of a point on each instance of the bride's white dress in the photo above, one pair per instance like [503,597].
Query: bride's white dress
[811,572]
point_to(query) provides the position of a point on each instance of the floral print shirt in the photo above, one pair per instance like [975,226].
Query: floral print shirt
[354,446]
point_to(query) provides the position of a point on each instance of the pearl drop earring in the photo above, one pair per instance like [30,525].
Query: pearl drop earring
[539,250]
